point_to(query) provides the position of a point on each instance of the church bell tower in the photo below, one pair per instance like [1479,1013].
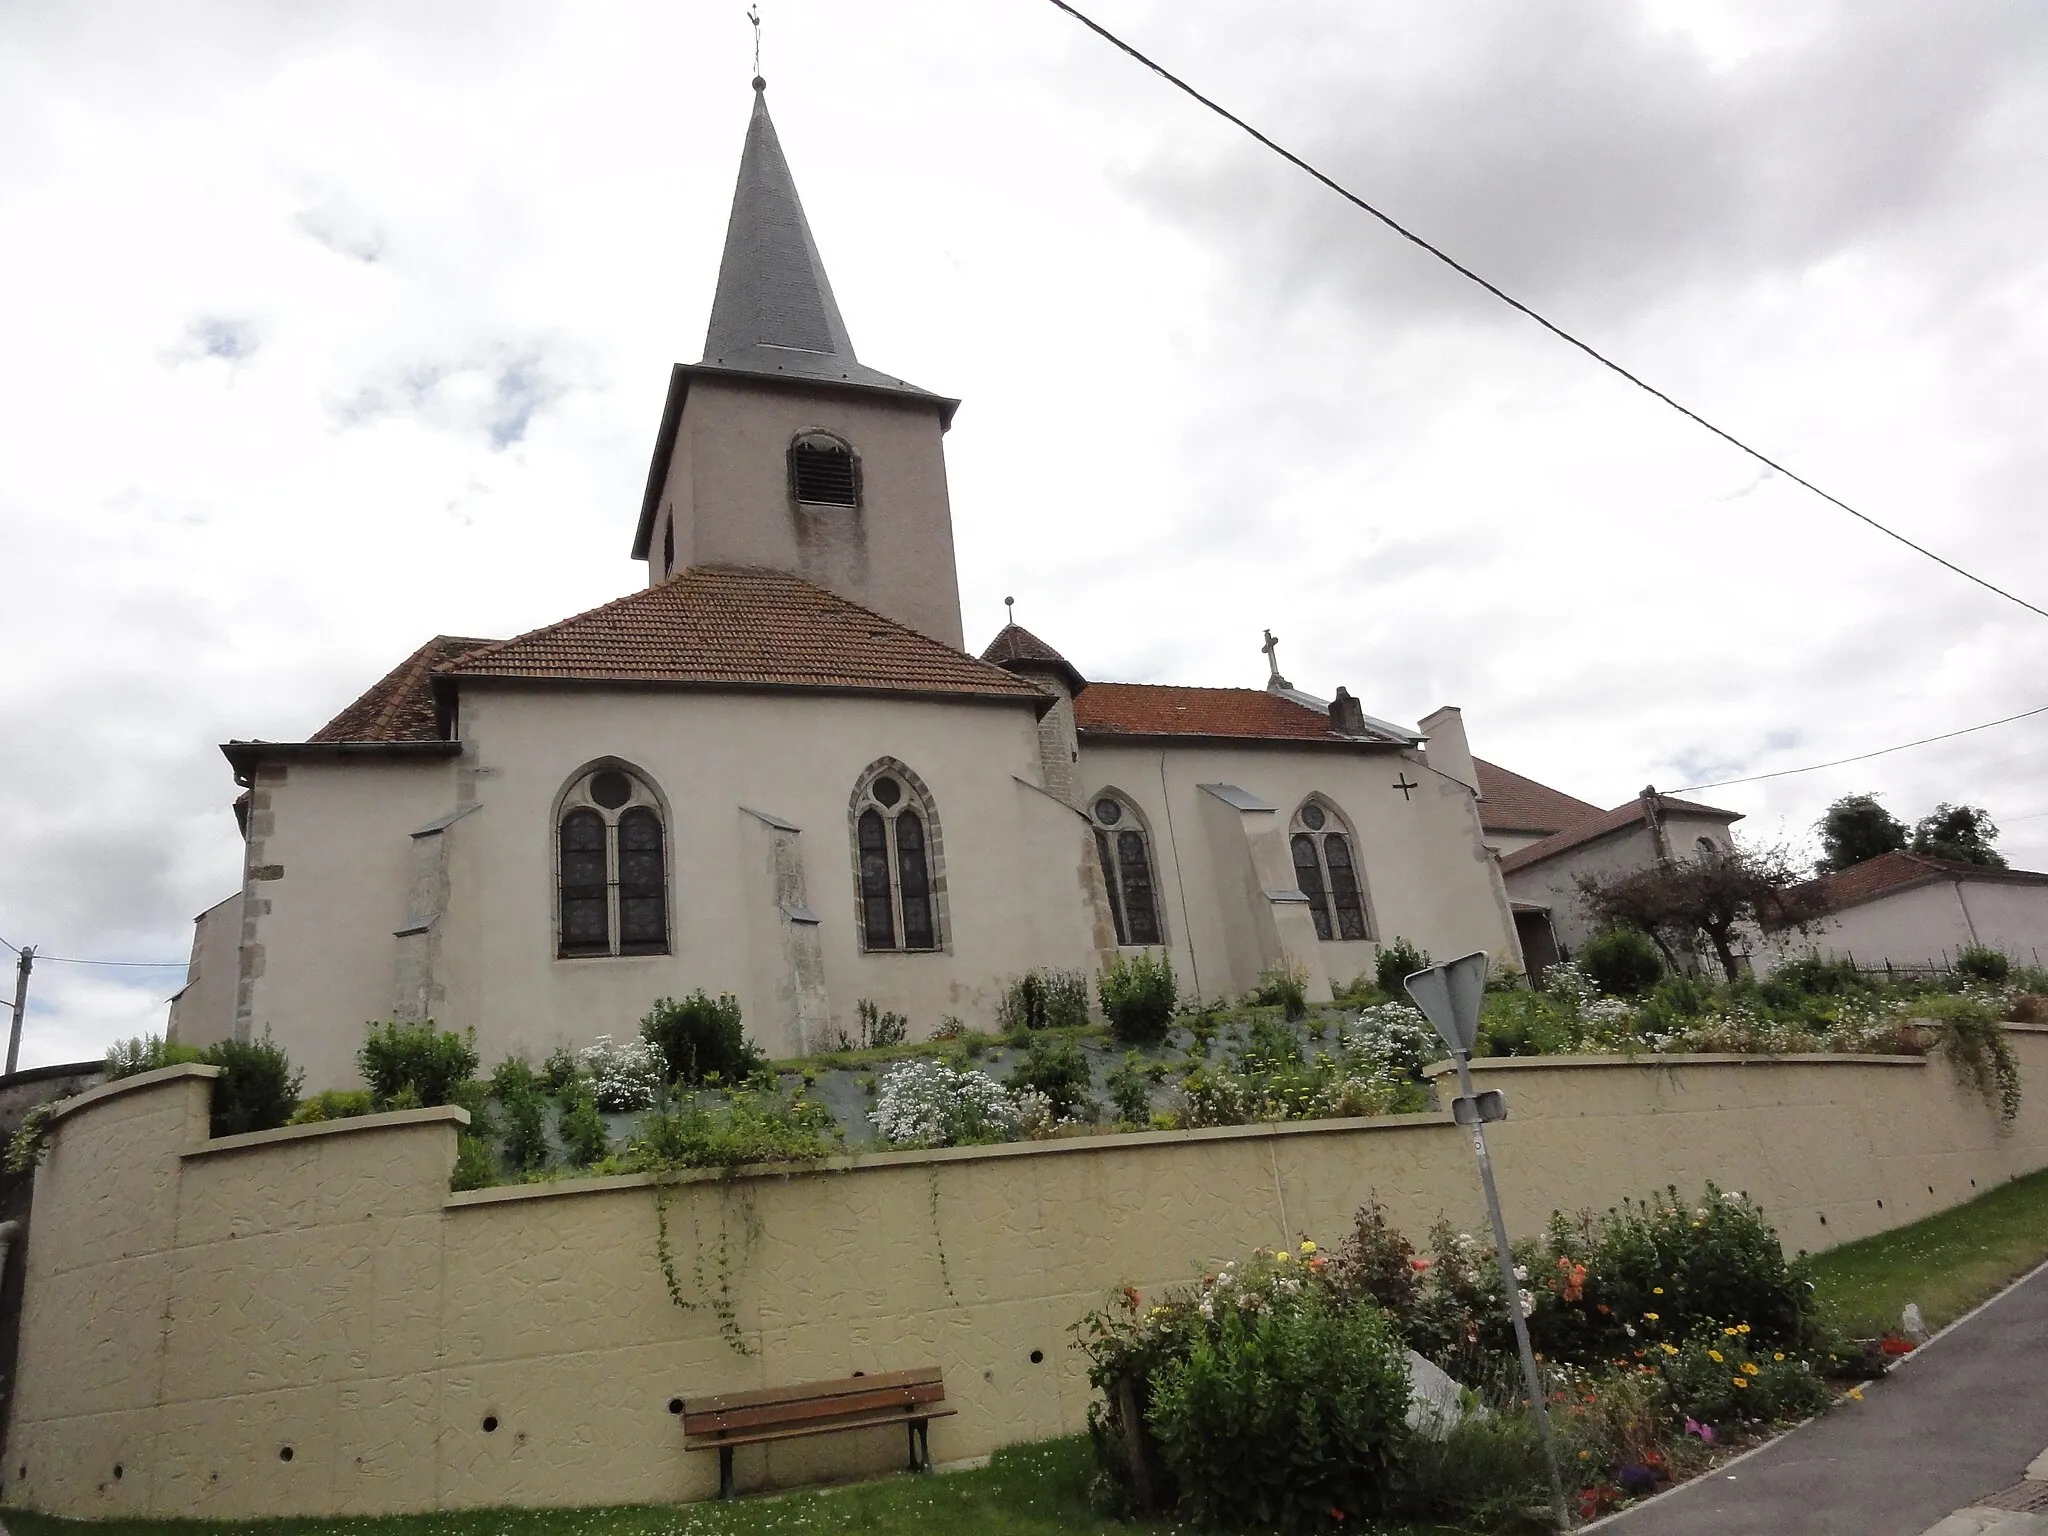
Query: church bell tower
[780,448]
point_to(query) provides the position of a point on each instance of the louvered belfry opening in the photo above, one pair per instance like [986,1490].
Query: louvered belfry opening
[823,471]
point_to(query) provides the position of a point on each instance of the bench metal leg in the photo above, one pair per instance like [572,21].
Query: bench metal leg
[911,1430]
[921,1446]
[725,1472]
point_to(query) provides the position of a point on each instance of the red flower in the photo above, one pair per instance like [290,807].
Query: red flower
[1336,1513]
[1131,1297]
[1891,1344]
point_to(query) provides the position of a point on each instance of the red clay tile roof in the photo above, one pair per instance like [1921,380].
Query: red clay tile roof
[1510,803]
[1898,871]
[733,627]
[400,706]
[1599,826]
[1151,709]
[1017,649]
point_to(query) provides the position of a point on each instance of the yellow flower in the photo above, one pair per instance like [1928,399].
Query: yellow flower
[1731,1332]
[1656,1290]
[1749,1369]
[1739,1382]
[1714,1355]
[1280,1257]
[1583,1455]
[1669,1349]
[1650,1317]
[1855,1392]
[1779,1355]
[1307,1246]
[1742,1327]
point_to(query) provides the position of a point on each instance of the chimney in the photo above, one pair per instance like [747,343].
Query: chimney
[1347,715]
[1446,750]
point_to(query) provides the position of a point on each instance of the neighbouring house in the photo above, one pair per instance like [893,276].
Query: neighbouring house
[1542,877]
[1517,812]
[775,771]
[1913,912]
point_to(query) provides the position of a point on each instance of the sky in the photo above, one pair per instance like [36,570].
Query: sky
[329,327]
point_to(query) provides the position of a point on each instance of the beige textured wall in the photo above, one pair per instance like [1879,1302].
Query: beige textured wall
[728,491]
[193,1308]
[1929,922]
[1427,874]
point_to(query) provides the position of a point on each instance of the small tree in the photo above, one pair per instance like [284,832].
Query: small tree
[699,1036]
[1856,828]
[1622,962]
[1961,832]
[1709,898]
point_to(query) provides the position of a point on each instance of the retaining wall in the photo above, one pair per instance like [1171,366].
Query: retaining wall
[306,1321]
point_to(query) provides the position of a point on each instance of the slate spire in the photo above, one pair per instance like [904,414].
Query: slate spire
[774,312]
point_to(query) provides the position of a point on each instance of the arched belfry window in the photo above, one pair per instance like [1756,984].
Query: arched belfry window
[1125,849]
[824,471]
[611,867]
[1326,869]
[897,868]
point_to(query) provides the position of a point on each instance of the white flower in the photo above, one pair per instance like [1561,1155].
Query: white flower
[925,1103]
[1521,1271]
[1394,1039]
[624,1077]
[1528,1302]
[1629,1329]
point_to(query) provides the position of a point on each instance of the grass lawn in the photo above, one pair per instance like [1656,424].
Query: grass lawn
[1947,1263]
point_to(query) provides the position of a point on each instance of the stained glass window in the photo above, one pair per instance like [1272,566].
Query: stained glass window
[643,886]
[1344,892]
[1110,884]
[877,903]
[586,911]
[914,882]
[1308,874]
[611,870]
[1140,916]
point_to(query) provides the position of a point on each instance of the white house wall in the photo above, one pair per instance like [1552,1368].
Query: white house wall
[1926,924]
[1427,875]
[1554,883]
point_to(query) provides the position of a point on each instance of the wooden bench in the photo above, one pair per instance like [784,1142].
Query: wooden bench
[910,1398]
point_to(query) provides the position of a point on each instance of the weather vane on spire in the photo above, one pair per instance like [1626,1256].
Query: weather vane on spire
[754,16]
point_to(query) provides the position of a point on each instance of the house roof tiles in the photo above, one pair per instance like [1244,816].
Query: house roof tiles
[1154,709]
[399,706]
[1899,870]
[1510,803]
[1622,816]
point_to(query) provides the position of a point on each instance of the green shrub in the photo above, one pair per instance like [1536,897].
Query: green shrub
[1978,963]
[475,1167]
[146,1053]
[258,1087]
[1284,987]
[333,1104]
[513,1076]
[410,1066]
[1291,1417]
[879,1029]
[1526,1024]
[581,1127]
[1043,1000]
[1396,963]
[1056,1067]
[1622,962]
[750,1125]
[1485,1474]
[700,1038]
[526,1129]
[1269,1046]
[1138,995]
[1718,1377]
[559,1070]
[1974,1044]
[1130,1090]
[1819,978]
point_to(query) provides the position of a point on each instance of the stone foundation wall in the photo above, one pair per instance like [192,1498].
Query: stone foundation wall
[307,1322]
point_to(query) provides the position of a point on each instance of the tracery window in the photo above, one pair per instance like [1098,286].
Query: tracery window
[1125,849]
[1327,871]
[824,471]
[611,867]
[895,859]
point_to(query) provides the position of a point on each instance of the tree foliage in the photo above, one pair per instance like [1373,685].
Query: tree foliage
[1961,832]
[1856,828]
[1711,898]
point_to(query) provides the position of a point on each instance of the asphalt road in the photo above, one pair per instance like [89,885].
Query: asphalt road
[1960,1418]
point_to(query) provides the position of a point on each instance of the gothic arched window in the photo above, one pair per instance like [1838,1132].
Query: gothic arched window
[1326,868]
[611,867]
[1125,849]
[895,840]
[824,471]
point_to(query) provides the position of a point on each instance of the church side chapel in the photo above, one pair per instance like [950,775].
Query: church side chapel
[775,771]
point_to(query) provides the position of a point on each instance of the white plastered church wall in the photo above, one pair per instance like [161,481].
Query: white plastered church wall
[1422,859]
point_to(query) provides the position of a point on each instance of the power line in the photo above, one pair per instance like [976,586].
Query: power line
[1784,773]
[143,965]
[1516,304]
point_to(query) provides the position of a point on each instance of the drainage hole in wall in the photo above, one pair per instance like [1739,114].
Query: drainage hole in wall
[860,1373]
[1038,1357]
[1823,1221]
[490,1423]
[284,1453]
[21,1472]
[1973,1183]
[675,1405]
[117,1471]
[1880,1205]
[1930,1189]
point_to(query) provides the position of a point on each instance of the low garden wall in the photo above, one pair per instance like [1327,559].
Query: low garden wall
[307,1321]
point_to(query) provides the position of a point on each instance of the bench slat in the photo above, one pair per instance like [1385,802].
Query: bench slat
[804,1391]
[872,1421]
[899,1399]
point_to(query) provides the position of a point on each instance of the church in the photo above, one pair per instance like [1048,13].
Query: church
[774,770]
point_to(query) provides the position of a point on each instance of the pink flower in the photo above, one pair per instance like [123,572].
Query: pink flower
[1704,1431]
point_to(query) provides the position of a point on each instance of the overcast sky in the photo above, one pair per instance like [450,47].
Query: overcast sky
[327,328]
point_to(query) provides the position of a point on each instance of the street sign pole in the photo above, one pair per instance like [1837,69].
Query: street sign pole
[1450,996]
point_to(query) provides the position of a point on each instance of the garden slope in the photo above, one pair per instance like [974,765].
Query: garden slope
[195,1309]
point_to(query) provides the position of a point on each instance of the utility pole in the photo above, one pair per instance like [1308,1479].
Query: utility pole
[21,969]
